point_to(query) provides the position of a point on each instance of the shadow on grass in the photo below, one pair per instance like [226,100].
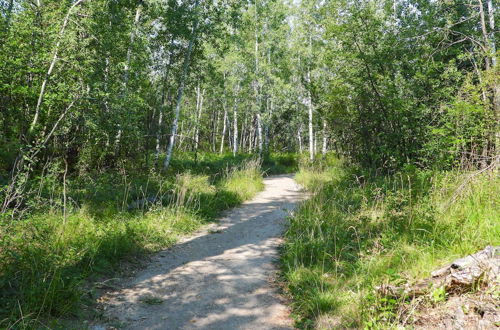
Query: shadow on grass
[361,230]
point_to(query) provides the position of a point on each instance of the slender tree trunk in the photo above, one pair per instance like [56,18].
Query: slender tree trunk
[51,67]
[126,71]
[496,88]
[198,116]
[243,134]
[493,45]
[251,137]
[311,131]
[266,125]
[229,133]
[165,100]
[325,139]
[235,127]
[299,137]
[224,126]
[315,142]
[215,130]
[259,134]
[485,33]
[180,91]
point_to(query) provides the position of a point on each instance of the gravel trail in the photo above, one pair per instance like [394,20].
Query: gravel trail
[221,277]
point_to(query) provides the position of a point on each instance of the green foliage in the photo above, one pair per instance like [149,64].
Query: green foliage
[280,162]
[404,88]
[360,230]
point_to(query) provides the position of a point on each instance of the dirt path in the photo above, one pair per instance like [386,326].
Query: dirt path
[220,278]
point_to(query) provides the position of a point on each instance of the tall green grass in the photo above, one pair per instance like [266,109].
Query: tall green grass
[46,260]
[360,230]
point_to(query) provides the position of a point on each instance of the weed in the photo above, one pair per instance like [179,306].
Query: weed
[360,229]
[45,260]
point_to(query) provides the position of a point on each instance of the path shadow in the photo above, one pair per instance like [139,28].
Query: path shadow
[217,280]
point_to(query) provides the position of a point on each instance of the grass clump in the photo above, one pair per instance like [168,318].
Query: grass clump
[244,181]
[360,230]
[47,259]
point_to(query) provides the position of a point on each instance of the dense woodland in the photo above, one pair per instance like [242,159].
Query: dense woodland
[105,101]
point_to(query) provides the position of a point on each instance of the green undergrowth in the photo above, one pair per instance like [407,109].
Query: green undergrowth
[280,163]
[360,230]
[47,259]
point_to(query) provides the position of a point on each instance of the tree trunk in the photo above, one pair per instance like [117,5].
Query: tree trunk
[311,131]
[229,133]
[224,126]
[325,139]
[127,68]
[299,137]
[180,91]
[165,100]
[198,115]
[259,134]
[51,67]
[496,88]
[215,129]
[235,127]
[485,33]
[493,45]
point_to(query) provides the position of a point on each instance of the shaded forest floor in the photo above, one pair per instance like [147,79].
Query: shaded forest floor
[47,259]
[361,230]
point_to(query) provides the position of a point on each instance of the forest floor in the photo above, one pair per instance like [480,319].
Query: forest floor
[220,278]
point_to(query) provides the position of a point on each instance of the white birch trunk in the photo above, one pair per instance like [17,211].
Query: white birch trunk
[496,89]
[235,128]
[127,68]
[259,134]
[485,33]
[493,45]
[224,127]
[165,100]
[180,91]
[299,137]
[311,131]
[51,67]
[215,130]
[198,116]
[325,139]
[229,133]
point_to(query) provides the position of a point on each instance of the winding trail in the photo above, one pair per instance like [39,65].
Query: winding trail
[220,278]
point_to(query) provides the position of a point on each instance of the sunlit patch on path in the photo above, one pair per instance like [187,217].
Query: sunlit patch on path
[219,278]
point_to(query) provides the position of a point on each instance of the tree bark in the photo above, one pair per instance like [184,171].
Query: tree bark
[180,91]
[311,131]
[325,139]
[259,134]
[235,127]
[51,66]
[485,33]
[198,115]
[493,45]
[496,88]
[299,137]
[165,100]
[224,127]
